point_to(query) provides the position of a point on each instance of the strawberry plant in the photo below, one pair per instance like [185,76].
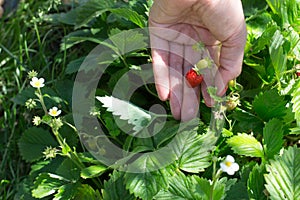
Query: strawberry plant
[93,126]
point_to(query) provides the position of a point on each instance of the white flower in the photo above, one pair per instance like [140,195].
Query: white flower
[229,166]
[54,112]
[37,82]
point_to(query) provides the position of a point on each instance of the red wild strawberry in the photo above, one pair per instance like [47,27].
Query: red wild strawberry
[193,78]
[297,70]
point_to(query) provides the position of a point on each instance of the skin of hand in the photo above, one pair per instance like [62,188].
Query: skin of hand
[1,8]
[175,26]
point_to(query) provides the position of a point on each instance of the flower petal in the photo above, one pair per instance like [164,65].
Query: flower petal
[229,158]
[235,167]
[230,172]
[41,80]
[224,167]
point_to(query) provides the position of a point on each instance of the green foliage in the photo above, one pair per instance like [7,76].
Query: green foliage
[47,184]
[296,102]
[91,9]
[127,41]
[193,187]
[126,111]
[256,183]
[131,15]
[33,142]
[92,171]
[192,150]
[208,191]
[269,104]
[115,188]
[278,56]
[246,145]
[180,187]
[283,181]
[163,158]
[273,137]
[146,185]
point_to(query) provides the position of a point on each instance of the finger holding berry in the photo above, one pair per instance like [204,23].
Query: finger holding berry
[220,25]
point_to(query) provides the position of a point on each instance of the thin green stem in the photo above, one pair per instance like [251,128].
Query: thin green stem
[216,177]
[41,98]
[73,155]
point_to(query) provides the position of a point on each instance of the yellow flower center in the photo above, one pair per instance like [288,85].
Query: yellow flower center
[37,84]
[54,112]
[228,164]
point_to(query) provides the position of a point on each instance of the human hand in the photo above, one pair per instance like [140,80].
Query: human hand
[1,8]
[175,26]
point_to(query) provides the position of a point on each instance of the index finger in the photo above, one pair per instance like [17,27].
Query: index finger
[160,63]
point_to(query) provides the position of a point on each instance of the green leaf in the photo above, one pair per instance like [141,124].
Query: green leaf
[127,111]
[295,131]
[283,180]
[278,56]
[90,10]
[74,65]
[286,10]
[146,185]
[67,191]
[87,192]
[294,40]
[265,38]
[128,41]
[226,133]
[181,187]
[246,121]
[33,142]
[24,95]
[246,145]
[257,26]
[256,183]
[131,15]
[47,184]
[296,102]
[251,7]
[192,150]
[92,171]
[114,188]
[112,127]
[68,169]
[269,104]
[74,38]
[163,132]
[207,191]
[64,18]
[239,190]
[273,137]
[147,175]
[24,190]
